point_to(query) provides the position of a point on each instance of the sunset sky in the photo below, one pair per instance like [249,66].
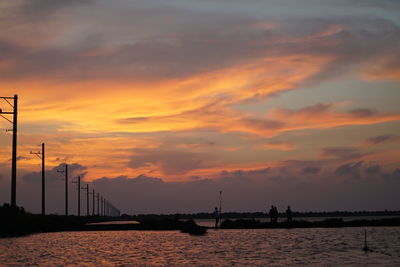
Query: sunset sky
[160,104]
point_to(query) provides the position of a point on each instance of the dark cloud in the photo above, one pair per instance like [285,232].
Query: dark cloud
[316,109]
[379,139]
[374,188]
[190,42]
[311,170]
[343,153]
[170,162]
[44,8]
[363,112]
[373,170]
[245,173]
[384,4]
[22,158]
[350,169]
[254,190]
[396,174]
[53,175]
[263,124]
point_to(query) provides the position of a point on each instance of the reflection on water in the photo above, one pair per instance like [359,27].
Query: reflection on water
[211,222]
[114,222]
[272,247]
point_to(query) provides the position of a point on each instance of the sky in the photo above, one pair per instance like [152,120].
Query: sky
[159,105]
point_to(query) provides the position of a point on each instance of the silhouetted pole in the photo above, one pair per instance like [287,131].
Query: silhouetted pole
[94,196]
[79,194]
[98,201]
[14,146]
[14,156]
[87,199]
[66,189]
[101,206]
[43,182]
[41,155]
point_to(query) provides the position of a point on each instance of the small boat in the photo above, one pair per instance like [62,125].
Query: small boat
[195,230]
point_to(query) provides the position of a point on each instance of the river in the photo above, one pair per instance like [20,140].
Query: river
[263,247]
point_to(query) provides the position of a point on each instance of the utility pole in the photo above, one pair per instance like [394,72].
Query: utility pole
[41,155]
[14,146]
[43,181]
[87,200]
[14,156]
[94,196]
[66,188]
[101,206]
[98,201]
[79,194]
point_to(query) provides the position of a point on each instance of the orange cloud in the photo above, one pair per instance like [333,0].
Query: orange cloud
[320,116]
[96,101]
[278,145]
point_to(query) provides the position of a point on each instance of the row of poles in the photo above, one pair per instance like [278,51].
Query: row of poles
[104,207]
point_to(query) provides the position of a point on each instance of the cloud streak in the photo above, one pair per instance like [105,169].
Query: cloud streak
[382,139]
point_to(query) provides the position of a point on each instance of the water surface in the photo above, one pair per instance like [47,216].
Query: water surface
[262,247]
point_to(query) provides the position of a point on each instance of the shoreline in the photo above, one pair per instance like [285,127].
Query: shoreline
[51,223]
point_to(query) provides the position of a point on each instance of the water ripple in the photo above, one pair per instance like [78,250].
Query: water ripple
[271,247]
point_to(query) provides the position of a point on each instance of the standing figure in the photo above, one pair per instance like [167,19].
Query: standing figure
[216,217]
[276,214]
[271,213]
[289,214]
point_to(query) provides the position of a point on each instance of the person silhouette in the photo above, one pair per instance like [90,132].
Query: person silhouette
[271,214]
[289,214]
[276,213]
[216,217]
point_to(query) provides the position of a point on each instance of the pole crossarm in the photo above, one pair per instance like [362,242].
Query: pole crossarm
[65,172]
[7,119]
[6,99]
[38,154]
[41,155]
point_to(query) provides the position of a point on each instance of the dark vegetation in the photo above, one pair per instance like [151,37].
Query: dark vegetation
[252,215]
[327,223]
[17,222]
